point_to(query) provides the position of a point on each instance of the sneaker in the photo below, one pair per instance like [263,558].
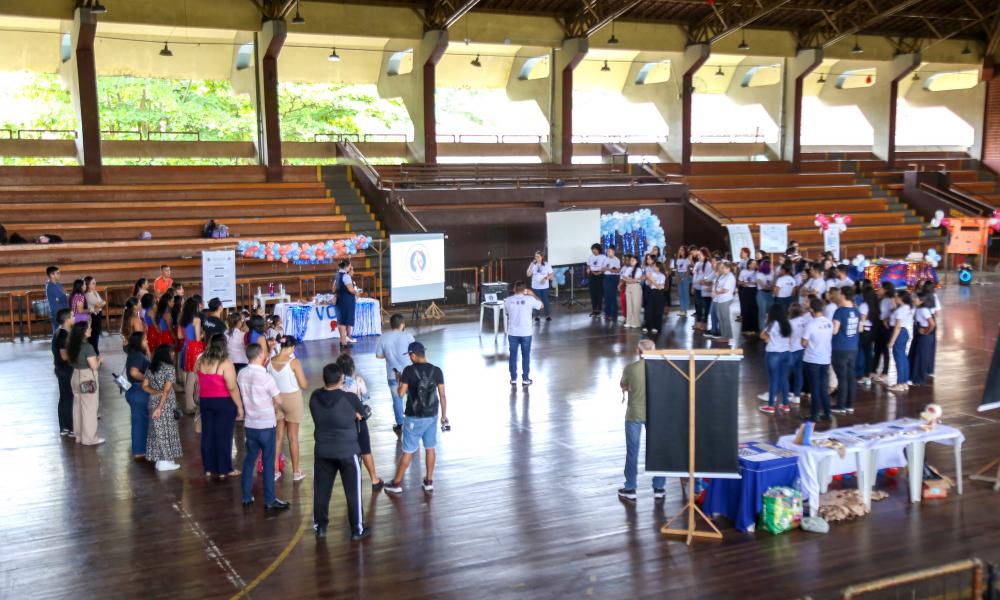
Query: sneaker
[377,487]
[71,434]
[319,531]
[839,411]
[795,399]
[395,487]
[298,476]
[767,410]
[659,493]
[166,465]
[786,409]
[864,381]
[850,411]
[277,475]
[710,336]
[513,382]
[899,387]
[548,318]
[627,494]
[526,382]
[363,534]
[428,485]
[765,396]
[64,432]
[644,330]
[98,442]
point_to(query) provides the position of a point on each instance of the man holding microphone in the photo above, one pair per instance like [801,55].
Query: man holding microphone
[541,274]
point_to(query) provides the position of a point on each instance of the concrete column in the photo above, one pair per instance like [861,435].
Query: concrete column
[416,90]
[80,73]
[804,63]
[663,96]
[901,66]
[537,90]
[695,56]
[565,61]
[269,43]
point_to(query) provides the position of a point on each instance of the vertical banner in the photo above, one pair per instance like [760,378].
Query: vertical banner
[739,238]
[831,241]
[218,276]
[773,237]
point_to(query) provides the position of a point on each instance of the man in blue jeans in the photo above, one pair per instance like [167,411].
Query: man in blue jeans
[423,385]
[633,383]
[260,395]
[519,308]
[55,294]
[392,346]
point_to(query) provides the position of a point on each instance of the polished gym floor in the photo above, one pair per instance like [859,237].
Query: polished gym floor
[525,504]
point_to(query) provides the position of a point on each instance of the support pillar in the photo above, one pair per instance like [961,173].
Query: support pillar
[269,43]
[695,56]
[902,65]
[416,90]
[565,61]
[805,62]
[989,137]
[81,73]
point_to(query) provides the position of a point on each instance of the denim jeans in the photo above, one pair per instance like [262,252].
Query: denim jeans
[522,343]
[684,291]
[543,295]
[764,302]
[899,357]
[777,376]
[138,402]
[819,389]
[795,361]
[259,440]
[611,296]
[633,431]
[397,400]
[713,317]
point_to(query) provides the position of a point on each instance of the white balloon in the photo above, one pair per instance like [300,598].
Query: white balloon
[935,222]
[843,227]
[939,214]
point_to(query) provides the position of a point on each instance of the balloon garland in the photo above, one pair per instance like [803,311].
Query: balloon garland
[837,221]
[633,232]
[303,253]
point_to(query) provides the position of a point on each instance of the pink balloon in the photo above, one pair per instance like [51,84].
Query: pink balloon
[284,259]
[847,219]
[945,222]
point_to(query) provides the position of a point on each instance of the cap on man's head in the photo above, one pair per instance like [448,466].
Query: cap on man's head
[415,348]
[214,304]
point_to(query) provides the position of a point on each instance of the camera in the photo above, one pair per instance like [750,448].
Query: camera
[445,425]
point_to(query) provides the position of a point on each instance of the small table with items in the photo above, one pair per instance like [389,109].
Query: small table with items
[762,466]
[866,449]
[499,316]
[318,320]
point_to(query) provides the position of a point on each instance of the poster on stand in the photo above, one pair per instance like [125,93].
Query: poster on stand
[739,238]
[831,242]
[773,238]
[218,276]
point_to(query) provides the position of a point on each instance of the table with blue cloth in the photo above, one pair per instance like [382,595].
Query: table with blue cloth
[318,320]
[761,466]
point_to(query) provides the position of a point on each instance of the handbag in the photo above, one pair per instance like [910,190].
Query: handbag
[89,387]
[177,414]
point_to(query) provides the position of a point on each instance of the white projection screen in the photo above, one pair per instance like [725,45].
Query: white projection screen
[416,267]
[570,234]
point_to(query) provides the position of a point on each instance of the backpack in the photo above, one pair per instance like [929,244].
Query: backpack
[425,400]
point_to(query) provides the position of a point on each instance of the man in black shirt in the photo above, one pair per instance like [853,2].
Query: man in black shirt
[211,322]
[423,385]
[335,415]
[64,372]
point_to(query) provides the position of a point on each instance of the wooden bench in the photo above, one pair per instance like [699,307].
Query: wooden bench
[802,207]
[142,193]
[785,194]
[81,231]
[857,219]
[768,180]
[56,212]
[733,168]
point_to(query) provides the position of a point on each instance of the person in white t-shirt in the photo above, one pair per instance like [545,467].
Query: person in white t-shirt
[595,279]
[813,286]
[682,266]
[747,283]
[765,296]
[799,317]
[784,286]
[722,294]
[657,298]
[541,274]
[882,332]
[900,327]
[833,298]
[632,276]
[923,337]
[817,341]
[518,308]
[612,268]
[777,332]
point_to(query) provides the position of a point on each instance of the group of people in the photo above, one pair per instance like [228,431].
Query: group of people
[636,286]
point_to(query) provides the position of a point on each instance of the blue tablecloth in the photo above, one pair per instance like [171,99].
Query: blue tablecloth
[312,321]
[740,499]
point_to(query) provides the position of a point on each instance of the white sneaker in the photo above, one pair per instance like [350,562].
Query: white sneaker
[764,396]
[166,465]
[794,399]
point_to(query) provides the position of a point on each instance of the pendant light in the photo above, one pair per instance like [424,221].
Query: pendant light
[612,40]
[719,72]
[743,43]
[821,79]
[297,19]
[334,57]
[166,51]
[605,68]
[857,49]
[475,62]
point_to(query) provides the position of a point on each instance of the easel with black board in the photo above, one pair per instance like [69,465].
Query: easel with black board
[687,518]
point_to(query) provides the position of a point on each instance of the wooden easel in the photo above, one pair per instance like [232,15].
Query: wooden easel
[691,508]
[433,312]
[982,474]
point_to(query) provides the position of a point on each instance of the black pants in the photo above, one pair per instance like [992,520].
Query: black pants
[96,323]
[748,309]
[65,409]
[843,367]
[867,344]
[596,286]
[701,305]
[881,336]
[326,470]
[654,310]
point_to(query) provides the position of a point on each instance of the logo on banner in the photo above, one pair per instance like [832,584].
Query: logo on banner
[417,261]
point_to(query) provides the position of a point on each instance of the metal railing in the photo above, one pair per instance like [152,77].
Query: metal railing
[619,139]
[356,157]
[729,138]
[709,209]
[46,134]
[958,580]
[978,205]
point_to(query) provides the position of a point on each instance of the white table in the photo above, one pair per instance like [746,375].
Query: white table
[262,299]
[499,314]
[818,465]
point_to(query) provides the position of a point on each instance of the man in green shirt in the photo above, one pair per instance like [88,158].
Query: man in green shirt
[634,384]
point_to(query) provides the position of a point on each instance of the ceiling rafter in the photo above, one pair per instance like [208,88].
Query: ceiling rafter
[729,17]
[940,33]
[442,14]
[273,10]
[848,20]
[592,15]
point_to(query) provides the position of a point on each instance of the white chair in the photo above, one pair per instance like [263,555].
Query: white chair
[499,315]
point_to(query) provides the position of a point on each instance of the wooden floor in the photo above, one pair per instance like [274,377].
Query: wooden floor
[525,503]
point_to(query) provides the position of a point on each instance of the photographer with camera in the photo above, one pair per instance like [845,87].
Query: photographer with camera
[423,385]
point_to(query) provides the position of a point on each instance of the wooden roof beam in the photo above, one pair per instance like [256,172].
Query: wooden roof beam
[593,15]
[729,17]
[850,19]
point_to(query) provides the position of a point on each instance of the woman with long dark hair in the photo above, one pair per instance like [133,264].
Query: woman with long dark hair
[291,380]
[95,304]
[923,331]
[190,326]
[747,282]
[163,443]
[136,365]
[343,287]
[657,298]
[78,302]
[86,393]
[682,265]
[220,404]
[141,288]
[900,328]
[777,332]
[131,321]
[866,340]
[355,384]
